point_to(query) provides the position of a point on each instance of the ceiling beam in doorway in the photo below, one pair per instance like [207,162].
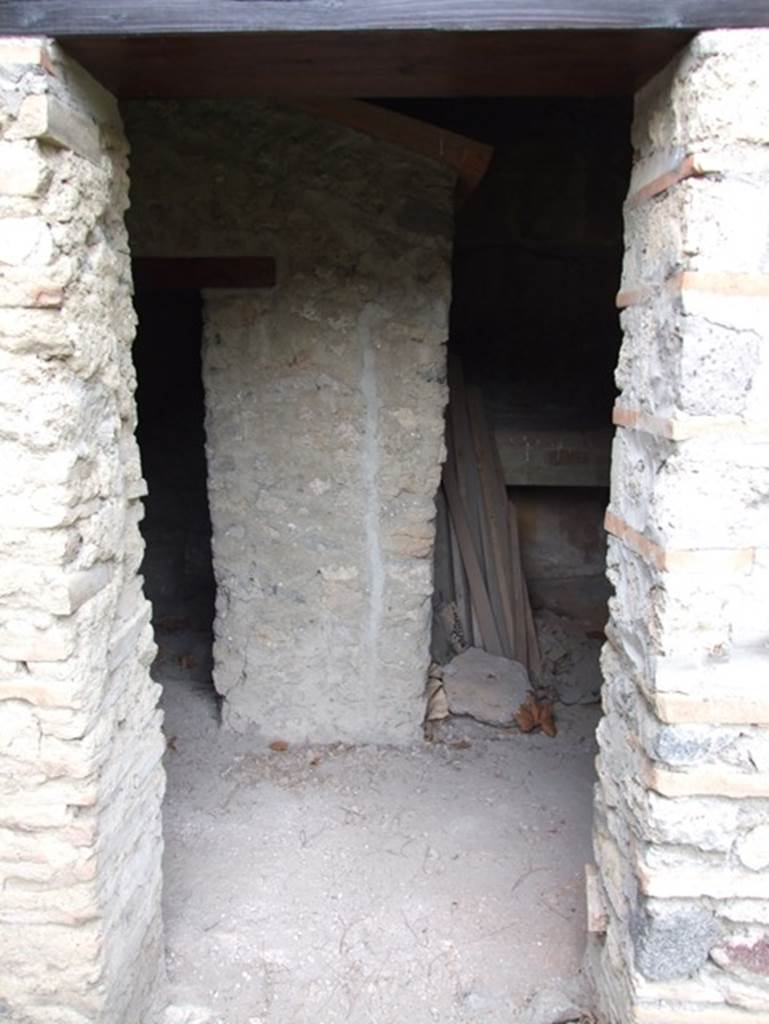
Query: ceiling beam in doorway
[203,272]
[172,17]
[468,157]
[376,64]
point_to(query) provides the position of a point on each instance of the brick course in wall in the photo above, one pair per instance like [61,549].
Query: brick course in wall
[80,742]
[683,796]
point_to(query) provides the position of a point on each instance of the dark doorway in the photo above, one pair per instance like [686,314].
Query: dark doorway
[177,567]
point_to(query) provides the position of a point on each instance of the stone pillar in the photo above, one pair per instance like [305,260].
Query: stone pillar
[682,803]
[324,405]
[80,740]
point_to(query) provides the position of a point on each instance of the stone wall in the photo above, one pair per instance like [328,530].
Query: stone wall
[80,841]
[563,545]
[324,401]
[682,805]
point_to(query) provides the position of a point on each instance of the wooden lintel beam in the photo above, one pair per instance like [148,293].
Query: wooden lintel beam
[65,18]
[203,272]
[468,157]
[368,64]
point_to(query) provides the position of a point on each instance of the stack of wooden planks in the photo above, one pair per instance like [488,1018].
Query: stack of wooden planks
[480,588]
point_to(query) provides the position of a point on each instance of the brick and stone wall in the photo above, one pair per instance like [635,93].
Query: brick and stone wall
[80,740]
[325,401]
[682,804]
[324,398]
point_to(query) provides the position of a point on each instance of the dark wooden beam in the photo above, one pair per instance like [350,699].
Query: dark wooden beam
[468,157]
[141,17]
[359,64]
[203,272]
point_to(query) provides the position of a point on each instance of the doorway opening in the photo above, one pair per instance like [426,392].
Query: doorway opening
[177,566]
[534,342]
[367,879]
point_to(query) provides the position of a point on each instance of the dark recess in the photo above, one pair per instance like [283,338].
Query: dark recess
[177,527]
[538,251]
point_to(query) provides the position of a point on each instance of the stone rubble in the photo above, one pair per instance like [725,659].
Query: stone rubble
[484,686]
[570,659]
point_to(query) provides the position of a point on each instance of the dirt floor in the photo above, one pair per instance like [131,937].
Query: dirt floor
[371,885]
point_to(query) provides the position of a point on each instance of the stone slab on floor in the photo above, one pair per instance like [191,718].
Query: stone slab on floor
[485,686]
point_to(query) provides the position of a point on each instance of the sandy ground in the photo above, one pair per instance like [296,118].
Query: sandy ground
[370,885]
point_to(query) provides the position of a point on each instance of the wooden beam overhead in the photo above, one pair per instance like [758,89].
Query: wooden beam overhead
[64,18]
[468,157]
[166,274]
[376,64]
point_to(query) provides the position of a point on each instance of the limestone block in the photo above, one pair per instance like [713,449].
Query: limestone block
[25,51]
[705,638]
[743,993]
[20,641]
[696,880]
[51,805]
[26,288]
[70,904]
[750,911]
[73,958]
[46,118]
[701,224]
[698,989]
[33,330]
[54,591]
[106,527]
[23,171]
[19,733]
[707,360]
[73,85]
[710,780]
[753,848]
[22,685]
[50,849]
[657,484]
[714,94]
[25,241]
[707,824]
[721,676]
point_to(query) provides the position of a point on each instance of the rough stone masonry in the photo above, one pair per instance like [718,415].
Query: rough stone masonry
[324,405]
[681,835]
[682,804]
[80,741]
